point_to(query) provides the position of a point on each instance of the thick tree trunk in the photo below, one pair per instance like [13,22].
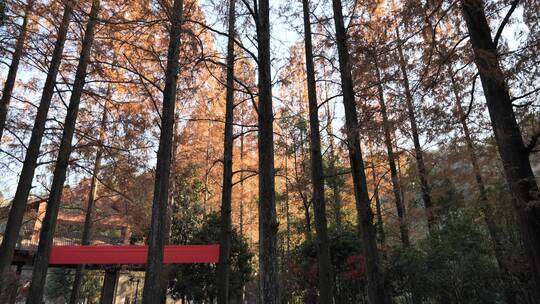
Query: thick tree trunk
[224,267]
[88,220]
[317,174]
[154,279]
[41,261]
[110,282]
[387,127]
[421,166]
[9,85]
[268,226]
[18,206]
[514,154]
[375,277]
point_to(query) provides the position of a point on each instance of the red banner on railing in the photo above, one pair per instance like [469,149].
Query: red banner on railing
[131,255]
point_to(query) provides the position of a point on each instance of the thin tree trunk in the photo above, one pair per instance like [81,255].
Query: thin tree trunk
[421,166]
[380,225]
[41,261]
[207,167]
[268,226]
[224,267]
[18,206]
[514,154]
[287,220]
[287,281]
[400,175]
[334,182]
[88,219]
[241,220]
[305,200]
[375,277]
[154,278]
[9,85]
[241,207]
[14,289]
[495,232]
[287,212]
[400,207]
[307,217]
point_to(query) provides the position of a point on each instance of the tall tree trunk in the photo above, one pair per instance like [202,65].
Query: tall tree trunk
[242,190]
[375,277]
[88,219]
[495,232]
[514,154]
[207,166]
[387,127]
[287,209]
[18,206]
[378,207]
[223,267]
[154,279]
[332,171]
[287,259]
[400,175]
[41,261]
[421,166]
[306,203]
[14,289]
[317,174]
[7,91]
[268,226]
[241,296]
[287,281]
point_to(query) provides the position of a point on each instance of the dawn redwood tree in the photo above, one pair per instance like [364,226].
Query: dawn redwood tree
[495,232]
[41,261]
[9,85]
[268,226]
[425,188]
[378,210]
[375,277]
[317,174]
[92,193]
[18,206]
[513,151]
[223,267]
[387,128]
[333,181]
[153,279]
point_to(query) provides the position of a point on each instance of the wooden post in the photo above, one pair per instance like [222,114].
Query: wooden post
[108,291]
